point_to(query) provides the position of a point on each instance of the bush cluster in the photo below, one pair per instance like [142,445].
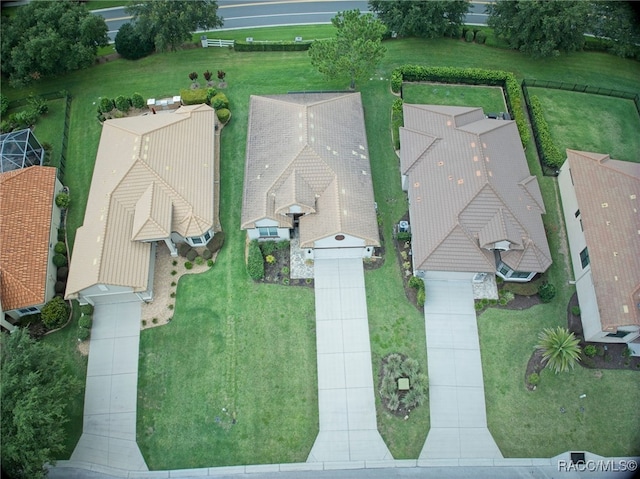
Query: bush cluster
[551,155]
[36,107]
[473,76]
[255,261]
[272,46]
[395,367]
[54,313]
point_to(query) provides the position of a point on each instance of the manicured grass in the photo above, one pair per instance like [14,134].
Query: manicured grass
[289,33]
[588,122]
[50,128]
[490,99]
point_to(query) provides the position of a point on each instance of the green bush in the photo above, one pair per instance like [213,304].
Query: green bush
[54,313]
[137,100]
[207,254]
[4,104]
[183,249]
[219,100]
[63,200]
[396,81]
[83,334]
[268,247]
[575,310]
[59,287]
[270,259]
[533,379]
[215,244]
[193,97]
[86,309]
[282,245]
[551,155]
[547,292]
[481,37]
[421,297]
[61,234]
[223,115]
[85,321]
[410,369]
[192,254]
[123,103]
[468,37]
[209,263]
[416,282]
[285,270]
[62,273]
[105,105]
[211,92]
[590,350]
[393,367]
[59,260]
[38,104]
[188,264]
[404,236]
[60,248]
[133,41]
[241,46]
[199,260]
[255,261]
[397,120]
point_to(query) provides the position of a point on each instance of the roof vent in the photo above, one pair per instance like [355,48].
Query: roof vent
[633,197]
[605,205]
[473,144]
[461,181]
[416,184]
[440,163]
[450,177]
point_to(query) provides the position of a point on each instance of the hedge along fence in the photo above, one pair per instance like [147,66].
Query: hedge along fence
[549,154]
[272,46]
[469,76]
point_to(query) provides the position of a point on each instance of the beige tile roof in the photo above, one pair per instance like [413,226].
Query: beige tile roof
[469,186]
[153,175]
[26,203]
[310,150]
[608,194]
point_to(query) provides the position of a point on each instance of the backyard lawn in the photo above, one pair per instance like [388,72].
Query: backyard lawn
[250,348]
[589,122]
[490,99]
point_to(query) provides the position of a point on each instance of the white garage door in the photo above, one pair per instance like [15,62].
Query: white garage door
[336,253]
[115,298]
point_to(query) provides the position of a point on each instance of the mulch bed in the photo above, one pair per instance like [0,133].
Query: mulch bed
[275,273]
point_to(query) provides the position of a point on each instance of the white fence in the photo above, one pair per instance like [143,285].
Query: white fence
[208,42]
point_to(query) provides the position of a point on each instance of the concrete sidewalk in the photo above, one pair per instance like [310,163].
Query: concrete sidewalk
[456,387]
[348,427]
[109,427]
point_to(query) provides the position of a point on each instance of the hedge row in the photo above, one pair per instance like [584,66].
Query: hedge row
[272,46]
[255,261]
[193,97]
[472,76]
[551,155]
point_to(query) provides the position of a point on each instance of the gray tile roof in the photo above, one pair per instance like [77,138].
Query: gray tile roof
[469,186]
[310,150]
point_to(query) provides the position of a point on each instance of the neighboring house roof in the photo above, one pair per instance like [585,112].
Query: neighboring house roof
[469,186]
[608,194]
[26,206]
[153,175]
[310,150]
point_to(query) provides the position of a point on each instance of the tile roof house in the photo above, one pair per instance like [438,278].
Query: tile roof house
[473,204]
[153,181]
[601,203]
[29,222]
[307,167]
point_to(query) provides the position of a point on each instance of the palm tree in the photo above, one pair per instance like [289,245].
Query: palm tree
[560,349]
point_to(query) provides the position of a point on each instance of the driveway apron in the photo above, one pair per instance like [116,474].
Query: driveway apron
[109,427]
[456,388]
[348,428]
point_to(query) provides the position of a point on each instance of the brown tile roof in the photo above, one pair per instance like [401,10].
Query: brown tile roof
[469,186]
[26,206]
[608,194]
[310,150]
[153,175]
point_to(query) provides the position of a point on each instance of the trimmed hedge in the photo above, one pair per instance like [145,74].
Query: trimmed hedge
[59,260]
[54,313]
[551,155]
[193,97]
[223,115]
[471,76]
[85,322]
[192,254]
[60,248]
[219,100]
[216,242]
[86,309]
[255,261]
[272,46]
[138,101]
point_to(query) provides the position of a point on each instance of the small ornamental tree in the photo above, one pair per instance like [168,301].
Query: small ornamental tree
[560,349]
[207,75]
[193,76]
[137,101]
[123,103]
[54,313]
[221,75]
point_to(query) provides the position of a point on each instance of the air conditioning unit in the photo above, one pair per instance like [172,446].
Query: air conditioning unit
[479,277]
[403,227]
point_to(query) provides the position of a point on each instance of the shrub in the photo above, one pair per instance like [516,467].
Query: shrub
[481,37]
[54,313]
[575,310]
[63,200]
[268,247]
[183,249]
[285,281]
[421,297]
[393,402]
[207,75]
[404,236]
[188,264]
[173,284]
[193,97]
[388,386]
[174,272]
[282,245]
[219,100]
[59,260]
[393,366]
[4,104]
[209,263]
[283,46]
[533,379]
[193,76]
[207,254]
[416,282]
[216,242]
[211,92]
[270,259]
[413,398]
[86,309]
[173,294]
[199,261]
[105,105]
[123,103]
[38,104]
[590,350]
[547,292]
[223,115]
[551,155]
[62,273]
[131,43]
[410,369]
[83,334]
[468,37]
[59,287]
[221,75]
[60,248]
[285,270]
[192,254]
[137,101]
[255,261]
[85,322]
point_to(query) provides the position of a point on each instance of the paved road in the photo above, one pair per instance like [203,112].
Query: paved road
[250,13]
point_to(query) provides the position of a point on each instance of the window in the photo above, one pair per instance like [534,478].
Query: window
[619,334]
[29,310]
[196,240]
[584,258]
[520,274]
[268,231]
[207,236]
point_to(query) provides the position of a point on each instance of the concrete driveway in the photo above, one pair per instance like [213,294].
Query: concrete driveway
[456,387]
[109,427]
[347,409]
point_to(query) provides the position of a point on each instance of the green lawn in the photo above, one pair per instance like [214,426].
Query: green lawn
[588,122]
[490,99]
[50,128]
[247,347]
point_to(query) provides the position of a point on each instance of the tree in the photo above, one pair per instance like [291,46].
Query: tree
[171,22]
[427,19]
[132,43]
[541,28]
[56,311]
[36,389]
[356,49]
[560,349]
[618,22]
[44,39]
